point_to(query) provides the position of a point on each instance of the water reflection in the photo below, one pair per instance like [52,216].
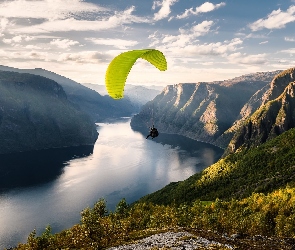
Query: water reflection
[122,164]
[37,167]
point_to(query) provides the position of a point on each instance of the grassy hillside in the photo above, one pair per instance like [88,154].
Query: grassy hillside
[261,170]
[271,215]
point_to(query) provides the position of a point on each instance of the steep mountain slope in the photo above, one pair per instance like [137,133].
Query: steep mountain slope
[35,114]
[202,111]
[261,169]
[98,107]
[275,115]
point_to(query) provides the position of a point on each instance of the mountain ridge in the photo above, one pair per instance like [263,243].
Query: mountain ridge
[202,111]
[274,116]
[36,114]
[100,108]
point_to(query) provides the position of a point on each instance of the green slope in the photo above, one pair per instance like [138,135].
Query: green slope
[262,169]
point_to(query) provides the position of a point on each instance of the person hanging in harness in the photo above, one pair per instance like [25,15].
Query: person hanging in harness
[153,132]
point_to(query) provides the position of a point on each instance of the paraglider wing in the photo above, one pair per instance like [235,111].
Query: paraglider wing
[121,65]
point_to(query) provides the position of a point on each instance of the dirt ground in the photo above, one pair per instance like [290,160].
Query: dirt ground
[246,242]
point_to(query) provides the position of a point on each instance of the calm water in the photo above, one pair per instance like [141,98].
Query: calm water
[122,164]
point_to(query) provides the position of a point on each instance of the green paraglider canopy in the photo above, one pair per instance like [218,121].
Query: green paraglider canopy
[121,65]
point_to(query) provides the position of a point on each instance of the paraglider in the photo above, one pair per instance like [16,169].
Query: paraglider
[153,133]
[121,65]
[119,68]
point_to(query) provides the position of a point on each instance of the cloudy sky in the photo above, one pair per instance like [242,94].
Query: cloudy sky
[202,41]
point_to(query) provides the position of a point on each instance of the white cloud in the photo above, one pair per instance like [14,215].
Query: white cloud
[165,9]
[264,42]
[32,47]
[290,51]
[290,39]
[37,55]
[63,43]
[254,35]
[14,40]
[205,7]
[277,19]
[185,38]
[46,9]
[71,24]
[24,55]
[118,43]
[7,41]
[17,39]
[3,24]
[242,58]
[83,57]
[209,49]
[29,38]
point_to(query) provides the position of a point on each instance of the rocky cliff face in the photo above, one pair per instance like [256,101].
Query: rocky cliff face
[36,114]
[205,111]
[275,115]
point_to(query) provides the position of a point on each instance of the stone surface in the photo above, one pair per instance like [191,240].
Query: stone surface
[173,241]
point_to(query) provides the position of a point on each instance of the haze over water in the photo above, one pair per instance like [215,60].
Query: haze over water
[122,164]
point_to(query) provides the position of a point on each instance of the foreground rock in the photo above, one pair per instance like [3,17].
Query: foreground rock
[173,240]
[198,239]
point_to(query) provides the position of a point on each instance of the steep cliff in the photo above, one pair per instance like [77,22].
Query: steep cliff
[275,115]
[204,111]
[36,114]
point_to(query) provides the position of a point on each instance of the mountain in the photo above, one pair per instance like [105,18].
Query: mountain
[36,114]
[203,111]
[138,95]
[275,115]
[261,169]
[260,156]
[98,107]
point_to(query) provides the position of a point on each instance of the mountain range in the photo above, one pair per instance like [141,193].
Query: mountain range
[99,108]
[206,111]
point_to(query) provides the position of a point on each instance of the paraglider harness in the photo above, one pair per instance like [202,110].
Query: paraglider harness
[153,132]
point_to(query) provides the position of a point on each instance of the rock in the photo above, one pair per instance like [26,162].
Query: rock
[173,241]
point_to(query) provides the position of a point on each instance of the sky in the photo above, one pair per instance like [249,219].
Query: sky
[202,41]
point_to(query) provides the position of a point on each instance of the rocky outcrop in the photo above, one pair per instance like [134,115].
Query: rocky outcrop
[36,114]
[202,239]
[175,241]
[275,115]
[204,111]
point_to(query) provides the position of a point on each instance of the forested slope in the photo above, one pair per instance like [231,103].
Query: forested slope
[36,114]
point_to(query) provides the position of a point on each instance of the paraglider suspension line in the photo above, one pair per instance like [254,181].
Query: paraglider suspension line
[153,115]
